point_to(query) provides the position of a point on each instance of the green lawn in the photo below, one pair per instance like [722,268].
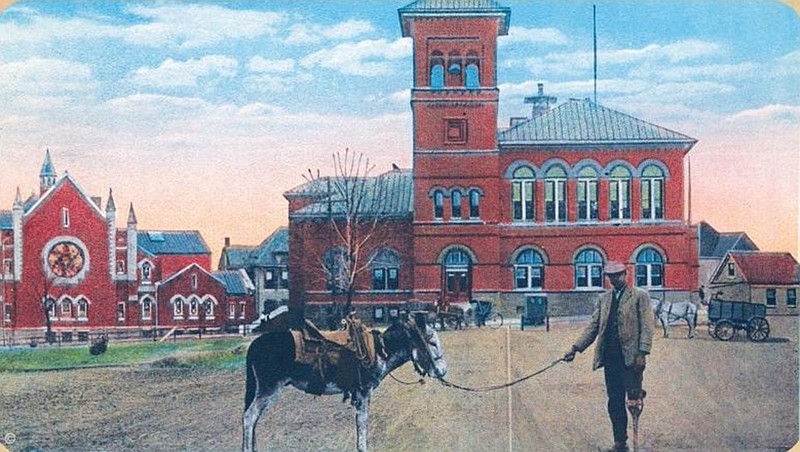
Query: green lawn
[226,352]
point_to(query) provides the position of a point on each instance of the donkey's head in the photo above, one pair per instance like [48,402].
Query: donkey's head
[427,352]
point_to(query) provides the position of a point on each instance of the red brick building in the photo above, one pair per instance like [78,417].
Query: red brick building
[536,208]
[66,262]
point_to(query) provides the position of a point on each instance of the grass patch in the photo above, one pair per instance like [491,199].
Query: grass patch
[226,352]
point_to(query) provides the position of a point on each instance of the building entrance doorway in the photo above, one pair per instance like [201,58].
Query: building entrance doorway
[457,277]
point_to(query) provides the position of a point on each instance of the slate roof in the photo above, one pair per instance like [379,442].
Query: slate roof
[236,256]
[6,220]
[767,268]
[716,245]
[310,188]
[582,122]
[236,282]
[172,242]
[277,243]
[456,7]
[390,194]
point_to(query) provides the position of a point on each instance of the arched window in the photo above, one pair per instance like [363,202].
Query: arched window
[555,195]
[147,309]
[522,194]
[619,193]
[438,204]
[454,69]
[472,71]
[385,270]
[474,204]
[437,70]
[208,306]
[177,307]
[83,309]
[66,308]
[455,199]
[652,193]
[51,307]
[589,269]
[529,270]
[193,308]
[649,268]
[587,194]
[147,271]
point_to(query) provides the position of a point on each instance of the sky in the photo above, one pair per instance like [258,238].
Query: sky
[202,114]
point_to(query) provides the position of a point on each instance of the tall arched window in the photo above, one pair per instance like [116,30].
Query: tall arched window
[474,204]
[194,308]
[385,270]
[147,271]
[472,71]
[438,204]
[147,309]
[457,273]
[455,200]
[437,70]
[649,268]
[589,269]
[619,193]
[522,194]
[652,193]
[83,309]
[454,69]
[66,308]
[529,270]
[208,308]
[555,195]
[587,194]
[177,307]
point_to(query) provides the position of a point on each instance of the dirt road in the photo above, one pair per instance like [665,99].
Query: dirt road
[703,395]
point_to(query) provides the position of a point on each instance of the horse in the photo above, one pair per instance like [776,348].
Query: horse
[271,366]
[668,311]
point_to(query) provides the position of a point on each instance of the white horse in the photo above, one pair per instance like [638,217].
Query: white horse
[667,312]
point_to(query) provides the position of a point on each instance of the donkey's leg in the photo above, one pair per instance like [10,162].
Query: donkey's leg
[691,321]
[262,402]
[362,418]
[664,323]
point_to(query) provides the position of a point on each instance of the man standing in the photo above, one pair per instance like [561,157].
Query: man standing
[622,323]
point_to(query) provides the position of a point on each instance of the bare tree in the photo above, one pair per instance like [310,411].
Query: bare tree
[353,200]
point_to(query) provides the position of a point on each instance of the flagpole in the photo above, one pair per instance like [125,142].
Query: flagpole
[594,39]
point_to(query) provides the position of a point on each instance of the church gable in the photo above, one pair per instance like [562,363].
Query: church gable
[66,194]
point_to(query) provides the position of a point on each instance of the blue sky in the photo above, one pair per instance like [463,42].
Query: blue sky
[224,105]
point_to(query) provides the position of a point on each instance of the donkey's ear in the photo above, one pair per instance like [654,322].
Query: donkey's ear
[420,319]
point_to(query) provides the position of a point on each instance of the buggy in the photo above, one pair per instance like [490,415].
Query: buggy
[726,318]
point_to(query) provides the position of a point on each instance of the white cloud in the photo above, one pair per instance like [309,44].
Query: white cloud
[776,114]
[37,29]
[261,64]
[274,83]
[312,33]
[534,36]
[199,25]
[365,58]
[709,71]
[400,97]
[173,73]
[787,65]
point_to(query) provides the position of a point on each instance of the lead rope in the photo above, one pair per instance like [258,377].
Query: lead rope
[500,386]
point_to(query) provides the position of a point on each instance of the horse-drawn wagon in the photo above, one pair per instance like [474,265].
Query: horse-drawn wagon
[726,318]
[460,315]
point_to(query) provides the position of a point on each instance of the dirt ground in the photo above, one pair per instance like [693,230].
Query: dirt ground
[703,394]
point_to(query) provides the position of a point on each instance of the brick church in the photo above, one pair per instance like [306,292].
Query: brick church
[66,262]
[502,214]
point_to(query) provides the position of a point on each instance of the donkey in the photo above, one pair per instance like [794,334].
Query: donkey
[271,366]
[667,312]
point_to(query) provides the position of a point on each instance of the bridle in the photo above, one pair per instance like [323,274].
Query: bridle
[423,340]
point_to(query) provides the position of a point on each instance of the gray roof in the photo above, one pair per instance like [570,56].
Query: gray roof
[6,220]
[456,7]
[311,188]
[276,244]
[390,194]
[582,122]
[233,280]
[236,256]
[172,242]
[716,245]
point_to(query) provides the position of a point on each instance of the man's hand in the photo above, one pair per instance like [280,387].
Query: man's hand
[569,356]
[639,362]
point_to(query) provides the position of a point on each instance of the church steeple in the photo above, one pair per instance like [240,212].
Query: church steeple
[47,176]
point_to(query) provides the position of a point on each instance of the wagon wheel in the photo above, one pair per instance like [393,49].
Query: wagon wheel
[758,329]
[724,330]
[495,320]
[453,322]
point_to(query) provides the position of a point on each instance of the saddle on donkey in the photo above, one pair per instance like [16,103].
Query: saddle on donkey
[346,358]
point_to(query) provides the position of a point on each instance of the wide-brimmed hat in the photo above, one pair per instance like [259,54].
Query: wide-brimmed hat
[613,267]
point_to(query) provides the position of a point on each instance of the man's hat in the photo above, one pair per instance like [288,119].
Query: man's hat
[613,267]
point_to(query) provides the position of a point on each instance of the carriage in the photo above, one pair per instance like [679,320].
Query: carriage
[457,316]
[726,318]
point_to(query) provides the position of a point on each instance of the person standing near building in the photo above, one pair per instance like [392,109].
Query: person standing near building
[622,323]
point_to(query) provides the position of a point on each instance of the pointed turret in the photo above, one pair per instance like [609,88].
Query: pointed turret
[47,176]
[111,206]
[17,212]
[131,215]
[18,199]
